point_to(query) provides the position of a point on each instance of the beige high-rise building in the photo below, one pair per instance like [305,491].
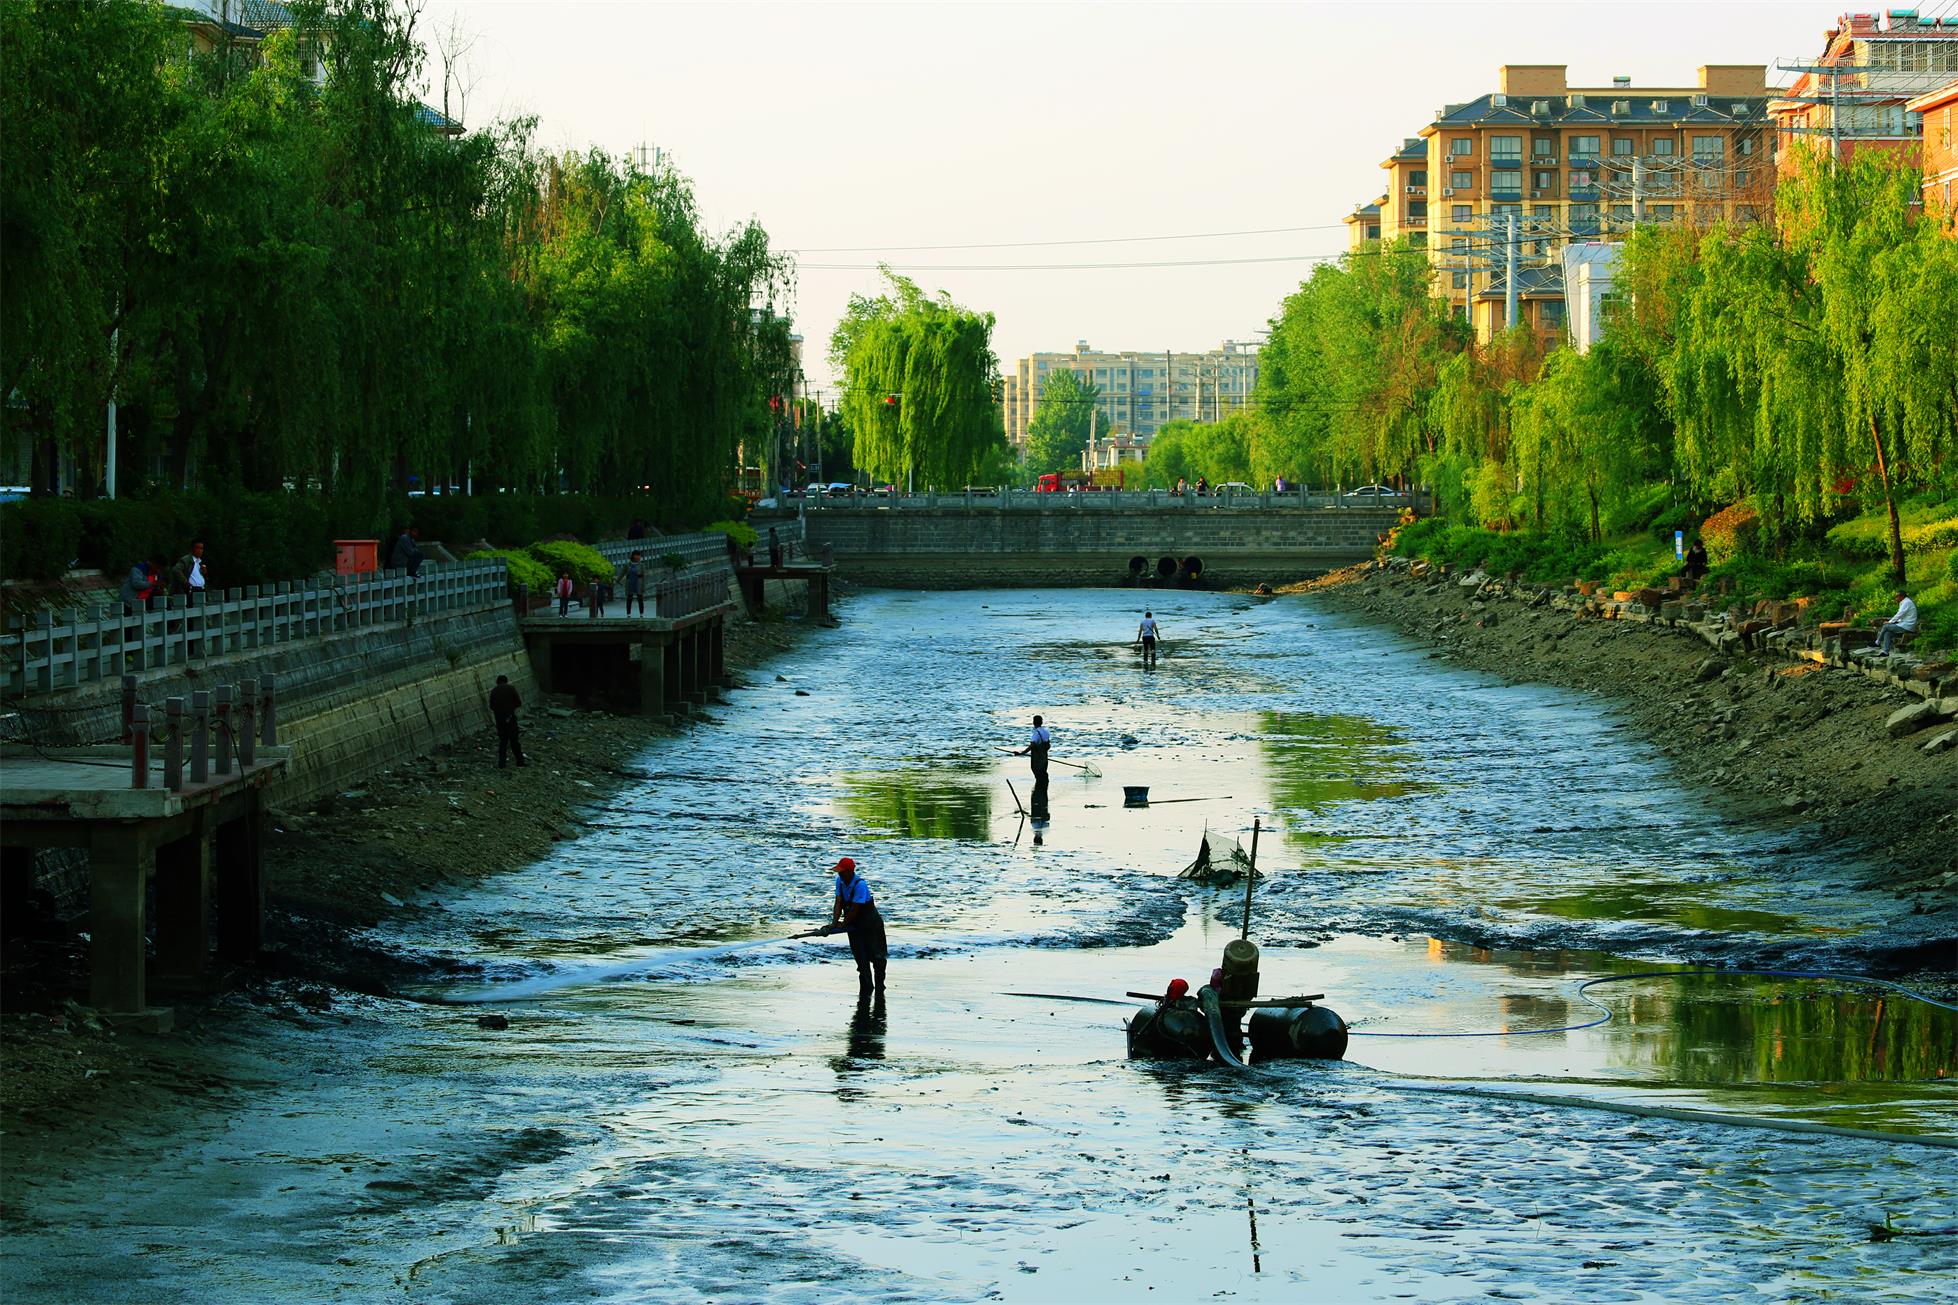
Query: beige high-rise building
[1139,391]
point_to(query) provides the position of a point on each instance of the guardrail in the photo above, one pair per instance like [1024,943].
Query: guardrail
[79,646]
[1116,500]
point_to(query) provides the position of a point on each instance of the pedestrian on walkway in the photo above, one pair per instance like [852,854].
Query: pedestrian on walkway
[564,591]
[635,585]
[855,912]
[137,587]
[191,575]
[503,704]
[407,552]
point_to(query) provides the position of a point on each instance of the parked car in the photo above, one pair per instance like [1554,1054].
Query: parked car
[1231,487]
[1377,492]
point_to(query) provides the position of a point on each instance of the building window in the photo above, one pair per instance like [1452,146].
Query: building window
[1583,181]
[1418,177]
[1543,210]
[1417,210]
[1745,145]
[1709,149]
[1545,181]
[1749,213]
[1709,181]
[1659,212]
[1743,179]
[1459,280]
[1663,147]
[1461,180]
[1621,213]
[1147,373]
[1550,313]
[1460,212]
[1505,149]
[1621,147]
[1543,147]
[1042,366]
[1585,147]
[1461,147]
[1459,244]
[1500,209]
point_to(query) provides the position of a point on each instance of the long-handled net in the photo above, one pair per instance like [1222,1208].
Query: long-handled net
[1221,859]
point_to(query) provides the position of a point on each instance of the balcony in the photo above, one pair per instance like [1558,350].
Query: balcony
[1589,161]
[1584,194]
[1509,164]
[1585,226]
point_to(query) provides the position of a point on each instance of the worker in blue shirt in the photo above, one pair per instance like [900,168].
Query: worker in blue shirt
[855,912]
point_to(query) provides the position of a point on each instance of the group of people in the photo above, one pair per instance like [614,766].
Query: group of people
[190,576]
[631,578]
[1898,627]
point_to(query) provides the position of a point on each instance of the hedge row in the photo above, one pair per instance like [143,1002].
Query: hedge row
[262,538]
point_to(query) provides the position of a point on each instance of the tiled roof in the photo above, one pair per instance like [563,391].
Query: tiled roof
[1586,108]
[1413,148]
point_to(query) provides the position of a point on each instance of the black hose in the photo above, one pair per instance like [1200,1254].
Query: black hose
[1213,1013]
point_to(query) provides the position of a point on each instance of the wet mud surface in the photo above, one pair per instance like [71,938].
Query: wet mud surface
[685,1107]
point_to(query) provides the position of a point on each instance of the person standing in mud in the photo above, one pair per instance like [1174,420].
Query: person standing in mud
[503,704]
[855,912]
[1036,750]
[1146,635]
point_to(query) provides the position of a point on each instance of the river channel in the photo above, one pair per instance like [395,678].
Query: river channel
[683,1109]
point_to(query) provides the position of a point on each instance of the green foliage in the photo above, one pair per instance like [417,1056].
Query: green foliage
[1220,451]
[527,574]
[1730,532]
[1058,431]
[586,564]
[743,534]
[936,361]
[310,287]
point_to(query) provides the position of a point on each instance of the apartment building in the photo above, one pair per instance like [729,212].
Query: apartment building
[1363,223]
[1936,111]
[1557,163]
[1139,391]
[1856,95]
[1404,212]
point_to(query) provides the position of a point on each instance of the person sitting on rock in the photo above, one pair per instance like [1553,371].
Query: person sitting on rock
[1693,566]
[1902,621]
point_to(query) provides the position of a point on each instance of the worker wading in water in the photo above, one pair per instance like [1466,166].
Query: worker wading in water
[1036,752]
[855,912]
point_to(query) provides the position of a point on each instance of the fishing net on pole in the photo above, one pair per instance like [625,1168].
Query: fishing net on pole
[1221,859]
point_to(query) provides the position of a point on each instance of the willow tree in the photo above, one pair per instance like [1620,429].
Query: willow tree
[919,384]
[1063,419]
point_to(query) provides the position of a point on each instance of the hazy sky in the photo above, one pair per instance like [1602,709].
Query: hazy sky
[849,126]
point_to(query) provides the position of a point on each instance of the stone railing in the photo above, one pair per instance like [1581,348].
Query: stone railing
[1118,500]
[76,647]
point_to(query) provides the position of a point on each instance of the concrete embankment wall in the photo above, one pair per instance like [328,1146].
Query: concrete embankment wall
[960,546]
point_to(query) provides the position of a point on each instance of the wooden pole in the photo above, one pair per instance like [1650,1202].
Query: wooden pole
[1251,878]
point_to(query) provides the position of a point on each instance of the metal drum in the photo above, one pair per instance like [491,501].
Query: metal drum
[1297,1033]
[1174,1031]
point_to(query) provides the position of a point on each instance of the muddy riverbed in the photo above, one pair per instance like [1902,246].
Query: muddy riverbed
[681,1108]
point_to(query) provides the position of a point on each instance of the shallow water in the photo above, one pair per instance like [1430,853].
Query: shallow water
[687,1107]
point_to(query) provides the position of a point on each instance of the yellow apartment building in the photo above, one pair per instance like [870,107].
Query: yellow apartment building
[1363,223]
[1568,163]
[1404,212]
[1140,391]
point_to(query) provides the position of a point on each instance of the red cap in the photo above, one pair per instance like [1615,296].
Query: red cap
[845,864]
[1177,987]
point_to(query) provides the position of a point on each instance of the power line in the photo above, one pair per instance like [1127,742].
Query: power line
[1050,244]
[1082,267]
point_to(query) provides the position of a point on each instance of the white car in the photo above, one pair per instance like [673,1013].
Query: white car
[1373,492]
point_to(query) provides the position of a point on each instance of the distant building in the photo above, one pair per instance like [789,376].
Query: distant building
[1404,209]
[1139,391]
[1856,94]
[1935,112]
[1588,268]
[1114,453]
[1567,163]
[1363,223]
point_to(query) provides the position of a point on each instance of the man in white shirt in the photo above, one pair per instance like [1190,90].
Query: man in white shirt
[1903,621]
[1036,749]
[1146,635]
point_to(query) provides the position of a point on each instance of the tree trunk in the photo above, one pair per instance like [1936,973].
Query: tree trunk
[1591,488]
[1890,503]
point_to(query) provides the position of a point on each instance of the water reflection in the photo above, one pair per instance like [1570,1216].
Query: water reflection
[868,1025]
[1672,905]
[1316,761]
[919,804]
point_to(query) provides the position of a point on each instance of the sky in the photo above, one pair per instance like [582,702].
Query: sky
[851,131]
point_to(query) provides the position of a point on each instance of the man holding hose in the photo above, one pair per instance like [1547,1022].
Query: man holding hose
[855,912]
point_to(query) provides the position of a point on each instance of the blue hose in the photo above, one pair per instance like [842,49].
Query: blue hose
[1583,992]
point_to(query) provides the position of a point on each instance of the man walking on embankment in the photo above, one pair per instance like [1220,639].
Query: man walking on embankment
[855,912]
[503,704]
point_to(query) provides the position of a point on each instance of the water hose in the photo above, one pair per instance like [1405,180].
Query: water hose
[1583,993]
[1220,1038]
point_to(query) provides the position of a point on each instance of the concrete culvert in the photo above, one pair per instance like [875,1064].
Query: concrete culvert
[1138,564]
[1193,567]
[1166,567]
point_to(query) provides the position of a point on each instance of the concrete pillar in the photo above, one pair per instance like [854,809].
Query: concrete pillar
[239,868]
[703,680]
[719,666]
[652,676]
[539,648]
[119,859]
[670,674]
[183,905]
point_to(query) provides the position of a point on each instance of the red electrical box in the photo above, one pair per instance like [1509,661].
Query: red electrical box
[355,556]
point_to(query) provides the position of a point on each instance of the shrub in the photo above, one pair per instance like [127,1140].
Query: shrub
[40,538]
[743,534]
[585,563]
[1679,517]
[1730,532]
[527,574]
[1638,511]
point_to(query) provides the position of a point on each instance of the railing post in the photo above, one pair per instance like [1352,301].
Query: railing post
[139,751]
[128,707]
[173,744]
[225,732]
[247,736]
[268,719]
[200,736]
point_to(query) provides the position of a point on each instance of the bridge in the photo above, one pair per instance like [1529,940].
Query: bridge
[1007,538]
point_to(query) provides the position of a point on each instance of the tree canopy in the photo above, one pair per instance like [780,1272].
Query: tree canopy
[920,381]
[1058,432]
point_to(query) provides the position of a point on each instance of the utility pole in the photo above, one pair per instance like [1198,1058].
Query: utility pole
[1638,191]
[115,359]
[1509,271]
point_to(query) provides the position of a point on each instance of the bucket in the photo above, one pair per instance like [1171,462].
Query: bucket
[1135,795]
